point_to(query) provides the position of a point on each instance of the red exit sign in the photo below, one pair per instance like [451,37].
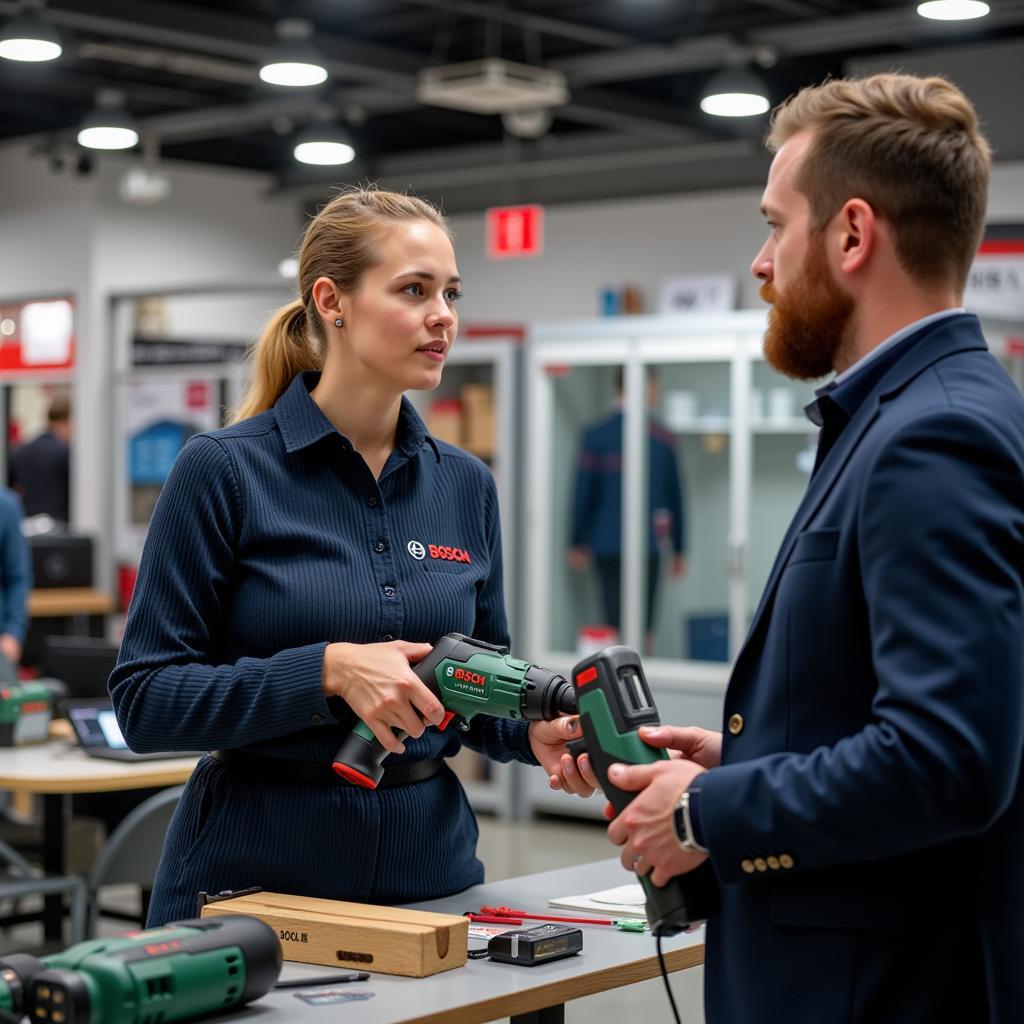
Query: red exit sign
[515,231]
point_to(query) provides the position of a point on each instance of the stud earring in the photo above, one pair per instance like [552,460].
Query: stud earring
[339,322]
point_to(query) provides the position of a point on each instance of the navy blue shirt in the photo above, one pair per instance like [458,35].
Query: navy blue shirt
[270,540]
[39,470]
[597,495]
[15,569]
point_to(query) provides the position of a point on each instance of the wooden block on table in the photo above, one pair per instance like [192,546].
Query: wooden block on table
[334,933]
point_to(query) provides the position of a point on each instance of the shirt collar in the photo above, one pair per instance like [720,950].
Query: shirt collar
[303,423]
[848,389]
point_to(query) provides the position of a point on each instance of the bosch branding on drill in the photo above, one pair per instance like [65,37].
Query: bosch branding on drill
[470,678]
[463,675]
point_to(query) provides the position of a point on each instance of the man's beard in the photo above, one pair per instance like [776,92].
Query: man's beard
[808,322]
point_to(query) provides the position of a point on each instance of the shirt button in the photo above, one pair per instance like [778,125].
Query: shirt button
[773,863]
[389,591]
[735,724]
[387,638]
[318,719]
[760,863]
[786,860]
[747,865]
[372,501]
[379,546]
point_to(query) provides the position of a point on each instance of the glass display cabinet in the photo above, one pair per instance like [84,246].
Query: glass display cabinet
[661,453]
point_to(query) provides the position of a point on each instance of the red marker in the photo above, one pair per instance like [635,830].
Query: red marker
[504,913]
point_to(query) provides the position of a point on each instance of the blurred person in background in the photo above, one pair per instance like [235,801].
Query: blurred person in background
[596,530]
[15,578]
[39,469]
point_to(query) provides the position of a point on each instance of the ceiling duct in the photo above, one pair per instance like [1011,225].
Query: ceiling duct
[491,86]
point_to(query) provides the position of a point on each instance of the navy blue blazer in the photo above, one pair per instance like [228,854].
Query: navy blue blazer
[867,822]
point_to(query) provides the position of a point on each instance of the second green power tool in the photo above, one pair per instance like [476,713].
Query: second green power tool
[470,678]
[184,970]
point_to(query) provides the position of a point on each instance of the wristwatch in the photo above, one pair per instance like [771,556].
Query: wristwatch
[684,829]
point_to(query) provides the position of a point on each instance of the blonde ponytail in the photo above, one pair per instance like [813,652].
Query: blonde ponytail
[284,349]
[341,244]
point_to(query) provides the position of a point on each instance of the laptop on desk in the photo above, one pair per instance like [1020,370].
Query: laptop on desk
[98,734]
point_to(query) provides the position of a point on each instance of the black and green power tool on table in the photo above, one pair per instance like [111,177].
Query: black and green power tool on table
[614,701]
[184,970]
[469,678]
[25,710]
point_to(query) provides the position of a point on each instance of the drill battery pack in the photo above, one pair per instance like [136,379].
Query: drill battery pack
[531,946]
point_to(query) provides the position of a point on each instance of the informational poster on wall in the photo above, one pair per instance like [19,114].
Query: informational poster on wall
[158,417]
[995,286]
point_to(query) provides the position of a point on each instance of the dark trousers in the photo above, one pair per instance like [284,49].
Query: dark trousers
[609,574]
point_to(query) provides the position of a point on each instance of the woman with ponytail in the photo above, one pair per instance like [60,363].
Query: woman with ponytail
[298,563]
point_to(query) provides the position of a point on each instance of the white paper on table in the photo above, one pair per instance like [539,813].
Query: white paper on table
[622,901]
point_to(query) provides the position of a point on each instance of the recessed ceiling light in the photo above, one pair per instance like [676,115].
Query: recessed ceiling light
[953,10]
[324,144]
[735,93]
[109,125]
[29,37]
[293,60]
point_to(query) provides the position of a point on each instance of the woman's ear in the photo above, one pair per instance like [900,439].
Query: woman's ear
[329,300]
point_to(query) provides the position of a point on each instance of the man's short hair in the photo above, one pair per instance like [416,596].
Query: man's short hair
[910,147]
[60,409]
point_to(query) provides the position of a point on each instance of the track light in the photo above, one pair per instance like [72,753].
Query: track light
[293,60]
[324,143]
[953,10]
[735,92]
[28,36]
[108,125]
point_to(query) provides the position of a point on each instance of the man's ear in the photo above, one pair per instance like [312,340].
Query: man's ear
[329,300]
[856,233]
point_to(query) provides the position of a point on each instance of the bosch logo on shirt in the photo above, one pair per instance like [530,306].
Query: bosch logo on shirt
[438,552]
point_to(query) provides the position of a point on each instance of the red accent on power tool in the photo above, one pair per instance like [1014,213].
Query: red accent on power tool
[588,675]
[351,775]
[446,721]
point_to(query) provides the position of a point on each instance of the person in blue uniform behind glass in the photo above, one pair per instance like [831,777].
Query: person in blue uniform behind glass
[289,583]
[596,527]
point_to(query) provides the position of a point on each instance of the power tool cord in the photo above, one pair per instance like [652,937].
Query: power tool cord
[664,977]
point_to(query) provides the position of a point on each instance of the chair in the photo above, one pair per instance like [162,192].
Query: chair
[131,855]
[18,879]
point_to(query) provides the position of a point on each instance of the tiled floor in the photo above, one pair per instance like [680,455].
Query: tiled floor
[509,849]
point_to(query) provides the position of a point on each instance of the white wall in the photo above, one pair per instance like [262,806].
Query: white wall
[640,241]
[67,235]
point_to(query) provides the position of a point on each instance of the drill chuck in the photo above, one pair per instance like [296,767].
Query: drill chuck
[546,695]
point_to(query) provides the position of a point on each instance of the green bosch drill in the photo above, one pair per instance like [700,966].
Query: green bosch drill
[184,970]
[614,701]
[470,678]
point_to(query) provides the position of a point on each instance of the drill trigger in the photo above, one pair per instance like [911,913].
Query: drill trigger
[576,747]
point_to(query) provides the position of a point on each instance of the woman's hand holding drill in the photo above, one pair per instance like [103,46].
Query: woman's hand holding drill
[378,684]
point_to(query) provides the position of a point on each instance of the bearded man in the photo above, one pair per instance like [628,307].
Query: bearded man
[863,807]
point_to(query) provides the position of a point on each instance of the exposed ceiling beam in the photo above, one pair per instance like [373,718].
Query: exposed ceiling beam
[823,35]
[176,62]
[528,20]
[225,35]
[603,109]
[623,158]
